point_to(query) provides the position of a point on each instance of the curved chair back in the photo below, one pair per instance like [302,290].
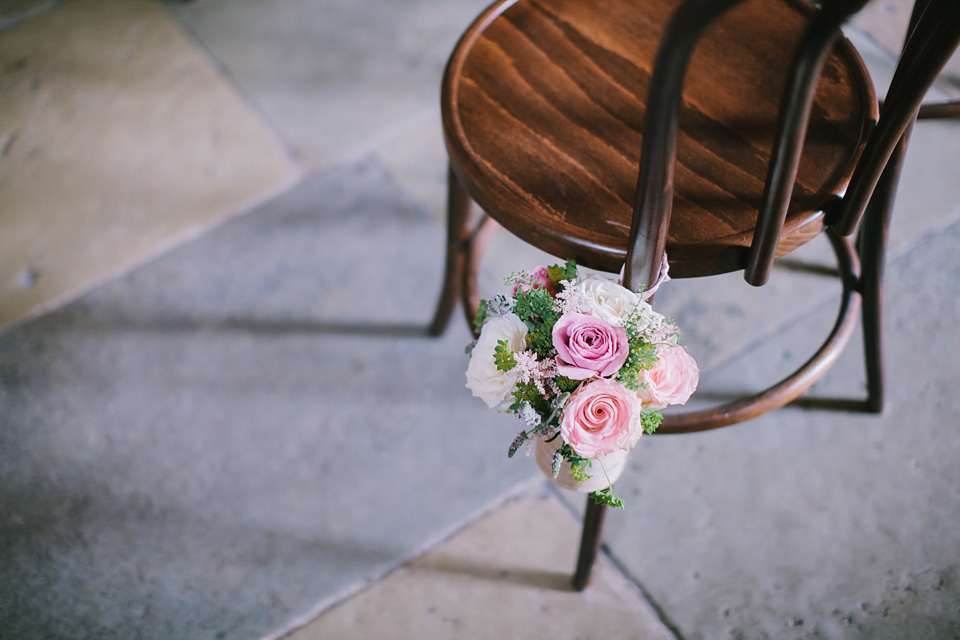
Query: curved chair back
[933,35]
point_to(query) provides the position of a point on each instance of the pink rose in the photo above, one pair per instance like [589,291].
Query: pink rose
[600,418]
[539,279]
[587,346]
[672,380]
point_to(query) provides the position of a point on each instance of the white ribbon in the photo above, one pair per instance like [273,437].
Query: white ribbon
[662,277]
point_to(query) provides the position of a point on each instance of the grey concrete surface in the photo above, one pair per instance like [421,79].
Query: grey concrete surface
[219,441]
[504,576]
[235,437]
[811,523]
[336,79]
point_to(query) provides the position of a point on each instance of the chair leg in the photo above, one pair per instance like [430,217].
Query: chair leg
[458,234]
[589,543]
[872,246]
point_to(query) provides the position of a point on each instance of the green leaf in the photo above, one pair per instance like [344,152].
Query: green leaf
[578,469]
[608,498]
[535,308]
[482,315]
[567,272]
[640,357]
[650,420]
[503,356]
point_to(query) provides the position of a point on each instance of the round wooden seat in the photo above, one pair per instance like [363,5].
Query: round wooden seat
[543,107]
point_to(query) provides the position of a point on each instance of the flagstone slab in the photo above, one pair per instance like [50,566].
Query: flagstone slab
[811,523]
[886,22]
[14,11]
[417,160]
[252,424]
[118,139]
[505,576]
[336,79]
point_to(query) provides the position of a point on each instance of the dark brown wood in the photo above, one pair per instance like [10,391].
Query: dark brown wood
[934,36]
[458,234]
[473,255]
[650,225]
[872,244]
[795,108]
[543,108]
[590,541]
[549,105]
[791,387]
[936,110]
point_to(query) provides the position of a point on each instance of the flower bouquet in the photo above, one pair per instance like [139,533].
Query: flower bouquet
[585,363]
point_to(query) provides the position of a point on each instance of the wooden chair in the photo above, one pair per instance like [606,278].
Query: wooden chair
[755,128]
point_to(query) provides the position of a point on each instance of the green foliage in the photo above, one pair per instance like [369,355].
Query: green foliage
[650,420]
[578,465]
[567,272]
[567,385]
[642,356]
[555,463]
[528,392]
[608,498]
[578,470]
[482,315]
[503,356]
[535,308]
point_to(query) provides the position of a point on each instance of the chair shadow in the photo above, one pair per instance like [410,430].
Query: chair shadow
[799,266]
[274,326]
[850,405]
[360,328]
[813,403]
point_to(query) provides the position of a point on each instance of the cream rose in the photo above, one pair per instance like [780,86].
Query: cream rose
[483,378]
[672,380]
[606,299]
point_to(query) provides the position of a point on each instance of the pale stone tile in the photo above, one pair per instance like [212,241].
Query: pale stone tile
[810,523]
[14,11]
[336,79]
[886,22]
[118,139]
[255,421]
[417,160]
[505,576]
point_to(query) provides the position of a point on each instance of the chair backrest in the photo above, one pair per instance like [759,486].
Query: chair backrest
[933,35]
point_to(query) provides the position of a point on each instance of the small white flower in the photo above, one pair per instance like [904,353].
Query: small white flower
[529,415]
[570,299]
[483,378]
[651,323]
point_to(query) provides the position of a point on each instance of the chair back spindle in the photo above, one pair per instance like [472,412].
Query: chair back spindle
[933,36]
[654,195]
[798,95]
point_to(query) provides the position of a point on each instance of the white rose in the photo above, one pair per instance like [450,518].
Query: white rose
[483,378]
[606,299]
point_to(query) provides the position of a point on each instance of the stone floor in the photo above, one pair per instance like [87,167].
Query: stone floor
[220,243]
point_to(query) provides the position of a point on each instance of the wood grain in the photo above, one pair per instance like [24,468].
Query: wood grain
[543,108]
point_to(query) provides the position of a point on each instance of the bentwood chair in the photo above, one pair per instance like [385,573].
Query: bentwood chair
[754,127]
